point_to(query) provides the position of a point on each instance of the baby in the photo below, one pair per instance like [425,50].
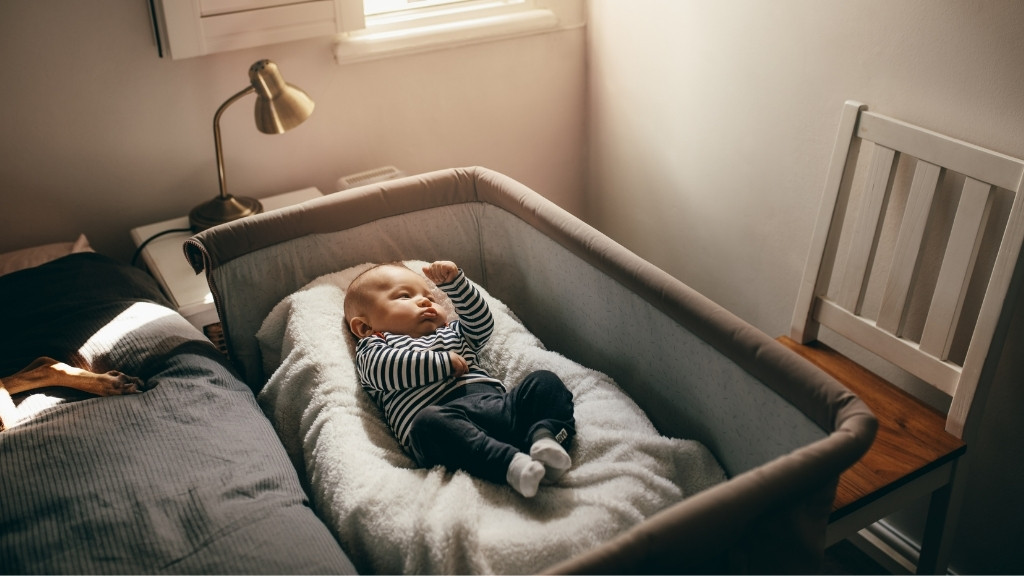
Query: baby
[440,404]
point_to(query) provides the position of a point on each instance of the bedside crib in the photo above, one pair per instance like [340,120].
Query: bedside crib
[782,430]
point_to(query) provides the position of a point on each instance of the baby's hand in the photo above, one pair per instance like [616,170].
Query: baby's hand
[441,271]
[459,364]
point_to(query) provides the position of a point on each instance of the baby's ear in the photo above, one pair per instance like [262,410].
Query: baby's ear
[360,327]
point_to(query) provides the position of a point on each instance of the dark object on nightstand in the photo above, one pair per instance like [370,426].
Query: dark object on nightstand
[216,335]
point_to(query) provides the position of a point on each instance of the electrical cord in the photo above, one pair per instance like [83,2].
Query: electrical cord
[154,237]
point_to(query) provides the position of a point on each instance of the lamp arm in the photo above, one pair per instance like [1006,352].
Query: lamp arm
[216,137]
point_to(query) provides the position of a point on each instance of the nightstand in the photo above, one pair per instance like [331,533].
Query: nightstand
[165,259]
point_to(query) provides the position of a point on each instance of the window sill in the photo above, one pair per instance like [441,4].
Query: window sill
[370,45]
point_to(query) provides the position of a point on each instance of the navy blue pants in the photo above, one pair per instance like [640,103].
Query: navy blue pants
[478,428]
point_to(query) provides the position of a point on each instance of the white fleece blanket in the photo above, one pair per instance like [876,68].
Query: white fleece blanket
[392,517]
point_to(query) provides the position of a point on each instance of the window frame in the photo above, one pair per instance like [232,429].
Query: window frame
[468,22]
[189,28]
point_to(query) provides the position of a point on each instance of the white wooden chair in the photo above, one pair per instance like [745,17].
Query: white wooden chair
[918,451]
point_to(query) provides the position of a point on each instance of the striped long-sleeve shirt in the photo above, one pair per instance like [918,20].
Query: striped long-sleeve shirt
[403,374]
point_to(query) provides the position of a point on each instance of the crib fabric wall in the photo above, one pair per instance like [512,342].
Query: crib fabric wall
[782,429]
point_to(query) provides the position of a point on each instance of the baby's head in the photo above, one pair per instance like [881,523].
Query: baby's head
[392,298]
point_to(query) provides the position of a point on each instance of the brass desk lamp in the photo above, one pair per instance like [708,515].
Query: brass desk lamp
[279,107]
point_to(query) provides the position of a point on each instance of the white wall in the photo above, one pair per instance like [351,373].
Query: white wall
[711,124]
[101,135]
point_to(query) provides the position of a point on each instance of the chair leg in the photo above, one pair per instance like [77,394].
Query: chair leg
[940,526]
[935,542]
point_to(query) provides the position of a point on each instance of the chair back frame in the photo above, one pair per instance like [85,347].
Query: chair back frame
[984,171]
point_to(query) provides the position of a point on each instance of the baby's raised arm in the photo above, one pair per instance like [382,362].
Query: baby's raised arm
[441,271]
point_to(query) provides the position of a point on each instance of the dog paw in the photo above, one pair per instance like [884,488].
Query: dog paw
[119,383]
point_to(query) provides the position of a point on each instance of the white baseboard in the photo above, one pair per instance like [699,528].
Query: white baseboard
[890,548]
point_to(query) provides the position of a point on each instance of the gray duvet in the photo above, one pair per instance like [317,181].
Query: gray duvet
[186,477]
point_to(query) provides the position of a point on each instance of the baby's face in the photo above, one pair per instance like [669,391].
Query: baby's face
[402,303]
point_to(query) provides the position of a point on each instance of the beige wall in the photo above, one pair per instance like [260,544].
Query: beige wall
[101,135]
[711,124]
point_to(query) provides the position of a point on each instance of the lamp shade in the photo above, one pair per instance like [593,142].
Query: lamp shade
[279,106]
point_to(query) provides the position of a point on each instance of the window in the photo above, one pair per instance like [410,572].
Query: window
[364,29]
[188,28]
[392,27]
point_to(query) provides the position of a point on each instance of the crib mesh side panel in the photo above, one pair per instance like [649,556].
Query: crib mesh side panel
[688,388]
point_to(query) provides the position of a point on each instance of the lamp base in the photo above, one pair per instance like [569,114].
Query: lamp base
[222,209]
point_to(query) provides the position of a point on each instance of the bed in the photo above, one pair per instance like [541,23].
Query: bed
[708,384]
[187,476]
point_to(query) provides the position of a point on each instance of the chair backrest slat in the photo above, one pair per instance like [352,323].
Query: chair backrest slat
[881,173]
[907,254]
[921,348]
[957,267]
[989,318]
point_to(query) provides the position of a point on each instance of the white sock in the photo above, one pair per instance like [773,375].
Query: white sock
[524,474]
[555,459]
